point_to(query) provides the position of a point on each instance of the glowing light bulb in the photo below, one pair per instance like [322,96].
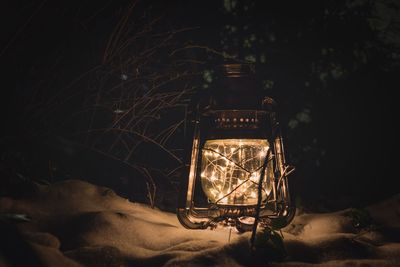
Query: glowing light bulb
[254,177]
[222,199]
[263,153]
[214,192]
[242,188]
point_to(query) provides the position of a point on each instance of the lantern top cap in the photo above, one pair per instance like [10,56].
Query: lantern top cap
[237,70]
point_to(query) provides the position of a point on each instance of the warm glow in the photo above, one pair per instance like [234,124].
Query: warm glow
[231,168]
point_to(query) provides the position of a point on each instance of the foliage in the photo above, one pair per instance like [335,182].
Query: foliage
[129,107]
[322,62]
[14,218]
[360,218]
[269,244]
[128,102]
[139,101]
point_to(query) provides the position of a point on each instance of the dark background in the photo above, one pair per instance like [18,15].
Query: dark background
[333,67]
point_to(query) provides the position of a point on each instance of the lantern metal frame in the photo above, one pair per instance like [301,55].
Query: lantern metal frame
[277,206]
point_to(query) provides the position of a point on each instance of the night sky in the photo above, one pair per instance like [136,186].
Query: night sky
[334,75]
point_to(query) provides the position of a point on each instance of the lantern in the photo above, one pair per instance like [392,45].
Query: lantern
[236,169]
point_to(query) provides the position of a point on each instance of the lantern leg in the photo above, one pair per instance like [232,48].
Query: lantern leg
[288,211]
[185,211]
[284,220]
[191,222]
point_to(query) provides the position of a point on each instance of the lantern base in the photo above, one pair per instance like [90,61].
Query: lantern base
[242,219]
[191,222]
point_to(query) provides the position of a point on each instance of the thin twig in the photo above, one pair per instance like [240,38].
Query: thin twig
[258,207]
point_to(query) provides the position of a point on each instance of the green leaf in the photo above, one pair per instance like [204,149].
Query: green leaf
[278,223]
[14,217]
[360,218]
[277,241]
[269,245]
